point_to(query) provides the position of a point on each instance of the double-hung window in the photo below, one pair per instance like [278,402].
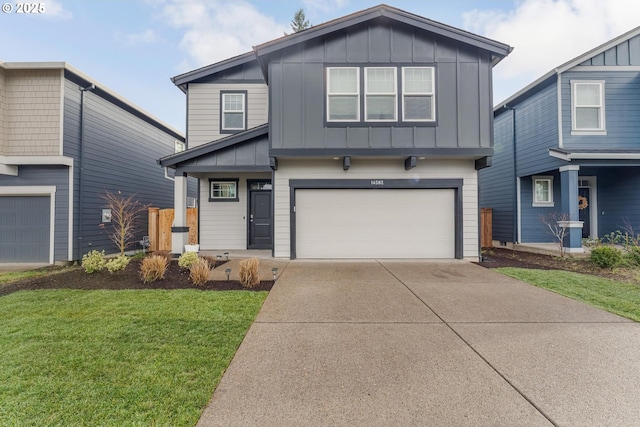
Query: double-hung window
[380,102]
[233,111]
[418,94]
[343,94]
[587,101]
[543,191]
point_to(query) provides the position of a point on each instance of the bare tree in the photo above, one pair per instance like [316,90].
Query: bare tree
[556,224]
[124,213]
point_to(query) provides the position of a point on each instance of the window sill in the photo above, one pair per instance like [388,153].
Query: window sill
[588,132]
[224,200]
[543,205]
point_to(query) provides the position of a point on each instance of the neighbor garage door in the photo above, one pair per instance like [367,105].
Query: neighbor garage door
[24,228]
[364,223]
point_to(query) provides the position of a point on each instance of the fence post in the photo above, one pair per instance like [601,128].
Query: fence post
[153,229]
[486,221]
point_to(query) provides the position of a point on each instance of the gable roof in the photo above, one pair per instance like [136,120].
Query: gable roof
[498,50]
[213,146]
[578,60]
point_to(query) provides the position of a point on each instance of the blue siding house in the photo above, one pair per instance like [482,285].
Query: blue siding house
[64,140]
[358,138]
[569,144]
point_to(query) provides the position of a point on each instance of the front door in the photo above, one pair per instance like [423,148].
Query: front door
[260,219]
[584,211]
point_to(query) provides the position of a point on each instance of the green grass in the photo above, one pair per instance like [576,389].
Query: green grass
[19,275]
[116,358]
[617,297]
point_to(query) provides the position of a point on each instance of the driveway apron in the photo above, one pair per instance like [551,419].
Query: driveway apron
[380,343]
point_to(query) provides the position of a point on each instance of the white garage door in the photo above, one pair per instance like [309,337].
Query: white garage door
[354,223]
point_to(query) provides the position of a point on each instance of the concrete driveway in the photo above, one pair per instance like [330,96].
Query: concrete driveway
[404,343]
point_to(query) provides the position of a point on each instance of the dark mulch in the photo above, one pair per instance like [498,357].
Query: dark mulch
[129,278]
[502,257]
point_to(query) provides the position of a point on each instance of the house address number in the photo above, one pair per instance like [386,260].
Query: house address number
[377,182]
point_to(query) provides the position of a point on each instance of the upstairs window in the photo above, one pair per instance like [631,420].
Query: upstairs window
[233,111]
[587,100]
[343,94]
[418,94]
[178,146]
[380,94]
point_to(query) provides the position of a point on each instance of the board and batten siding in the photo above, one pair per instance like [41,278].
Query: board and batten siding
[375,169]
[223,225]
[463,90]
[31,112]
[39,176]
[120,152]
[203,120]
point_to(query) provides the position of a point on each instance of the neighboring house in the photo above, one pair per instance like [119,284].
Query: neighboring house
[569,144]
[358,138]
[64,140]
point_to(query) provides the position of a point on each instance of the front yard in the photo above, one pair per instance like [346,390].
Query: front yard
[113,358]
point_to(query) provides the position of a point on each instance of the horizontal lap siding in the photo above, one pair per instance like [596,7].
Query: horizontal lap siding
[375,169]
[533,229]
[203,120]
[223,225]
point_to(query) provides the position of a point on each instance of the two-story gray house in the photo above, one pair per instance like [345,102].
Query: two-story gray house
[64,140]
[358,138]
[569,144]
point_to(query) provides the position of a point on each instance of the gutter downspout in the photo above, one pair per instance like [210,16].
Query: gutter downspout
[81,171]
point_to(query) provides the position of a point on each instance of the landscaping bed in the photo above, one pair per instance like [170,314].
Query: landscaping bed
[129,278]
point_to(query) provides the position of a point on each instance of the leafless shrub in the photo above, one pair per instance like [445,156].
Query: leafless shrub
[248,272]
[124,213]
[555,224]
[153,268]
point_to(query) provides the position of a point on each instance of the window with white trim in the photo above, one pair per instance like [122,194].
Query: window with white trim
[543,191]
[234,112]
[223,190]
[587,107]
[343,94]
[178,146]
[418,94]
[380,103]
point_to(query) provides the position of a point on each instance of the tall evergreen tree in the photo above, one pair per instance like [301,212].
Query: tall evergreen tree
[299,21]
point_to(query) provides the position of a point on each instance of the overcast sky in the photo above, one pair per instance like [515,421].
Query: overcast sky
[135,46]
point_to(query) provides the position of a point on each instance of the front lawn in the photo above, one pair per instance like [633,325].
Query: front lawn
[135,357]
[617,297]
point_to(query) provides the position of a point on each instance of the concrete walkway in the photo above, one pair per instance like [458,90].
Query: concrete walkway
[398,343]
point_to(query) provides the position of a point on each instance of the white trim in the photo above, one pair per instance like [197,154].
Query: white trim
[223,111]
[519,209]
[432,94]
[610,156]
[70,232]
[544,204]
[569,168]
[602,129]
[36,160]
[559,97]
[166,175]
[384,94]
[10,170]
[38,190]
[356,94]
[570,224]
[561,156]
[62,85]
[573,250]
[600,68]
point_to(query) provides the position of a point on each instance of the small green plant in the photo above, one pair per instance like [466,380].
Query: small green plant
[138,255]
[93,261]
[199,271]
[248,272]
[632,256]
[118,263]
[153,268]
[606,256]
[187,259]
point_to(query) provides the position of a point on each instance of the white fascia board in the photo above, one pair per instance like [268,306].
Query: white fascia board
[36,160]
[608,156]
[562,156]
[10,170]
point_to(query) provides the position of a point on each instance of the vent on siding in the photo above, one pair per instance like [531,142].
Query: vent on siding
[192,202]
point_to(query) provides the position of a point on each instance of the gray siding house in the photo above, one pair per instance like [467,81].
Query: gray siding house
[64,140]
[358,138]
[569,144]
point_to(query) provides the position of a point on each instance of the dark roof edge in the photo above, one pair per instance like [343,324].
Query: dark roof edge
[190,76]
[213,146]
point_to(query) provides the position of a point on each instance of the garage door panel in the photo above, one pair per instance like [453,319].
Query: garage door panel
[399,223]
[24,228]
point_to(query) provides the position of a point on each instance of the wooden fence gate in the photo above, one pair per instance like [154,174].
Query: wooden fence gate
[486,227]
[160,223]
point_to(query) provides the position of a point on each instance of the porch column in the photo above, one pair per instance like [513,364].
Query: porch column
[569,205]
[180,231]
